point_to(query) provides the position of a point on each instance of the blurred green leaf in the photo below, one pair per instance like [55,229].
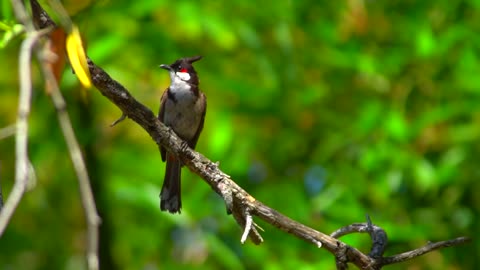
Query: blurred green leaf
[222,33]
[396,126]
[220,140]
[425,175]
[425,41]
[188,19]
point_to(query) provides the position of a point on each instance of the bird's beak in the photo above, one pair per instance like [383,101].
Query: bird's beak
[167,67]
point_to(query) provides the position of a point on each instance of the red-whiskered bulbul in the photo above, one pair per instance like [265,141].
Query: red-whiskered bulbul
[182,108]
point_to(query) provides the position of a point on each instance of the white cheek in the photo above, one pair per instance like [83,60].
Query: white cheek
[184,76]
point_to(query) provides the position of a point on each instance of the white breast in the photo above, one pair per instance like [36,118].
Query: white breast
[184,115]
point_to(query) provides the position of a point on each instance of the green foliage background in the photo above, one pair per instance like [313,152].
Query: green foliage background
[324,110]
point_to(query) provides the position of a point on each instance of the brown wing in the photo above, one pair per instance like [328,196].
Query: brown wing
[161,115]
[193,142]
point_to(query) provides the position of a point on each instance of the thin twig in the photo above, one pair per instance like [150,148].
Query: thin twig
[240,213]
[22,15]
[1,193]
[8,131]
[379,239]
[93,219]
[21,136]
[423,250]
[308,234]
[32,176]
[248,227]
[377,234]
[88,201]
[122,117]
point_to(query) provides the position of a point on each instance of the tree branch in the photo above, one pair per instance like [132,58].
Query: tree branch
[238,202]
[1,193]
[378,235]
[22,162]
[424,250]
[5,133]
[88,201]
[21,133]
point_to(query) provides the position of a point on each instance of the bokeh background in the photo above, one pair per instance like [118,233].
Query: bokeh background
[324,110]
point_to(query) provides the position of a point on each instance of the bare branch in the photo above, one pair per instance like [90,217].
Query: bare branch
[243,217]
[21,134]
[423,250]
[122,117]
[22,163]
[7,131]
[379,239]
[378,235]
[1,193]
[337,248]
[22,15]
[88,201]
[248,227]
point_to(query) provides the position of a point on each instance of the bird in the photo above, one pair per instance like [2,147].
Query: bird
[182,108]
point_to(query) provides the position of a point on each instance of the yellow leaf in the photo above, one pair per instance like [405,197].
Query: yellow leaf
[77,57]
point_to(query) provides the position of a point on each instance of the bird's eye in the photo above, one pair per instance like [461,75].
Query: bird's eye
[183,70]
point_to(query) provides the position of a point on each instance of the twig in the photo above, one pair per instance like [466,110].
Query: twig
[379,239]
[1,193]
[22,127]
[88,201]
[248,226]
[21,134]
[423,250]
[86,194]
[22,15]
[241,214]
[122,117]
[378,235]
[308,234]
[7,131]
